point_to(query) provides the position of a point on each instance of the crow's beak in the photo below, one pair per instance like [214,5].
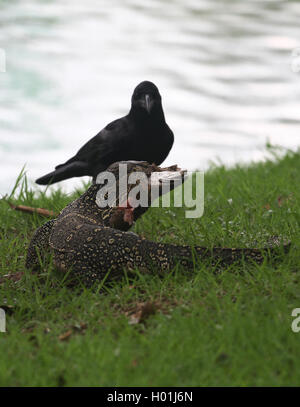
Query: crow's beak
[148,103]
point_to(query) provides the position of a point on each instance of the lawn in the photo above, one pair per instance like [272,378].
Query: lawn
[186,329]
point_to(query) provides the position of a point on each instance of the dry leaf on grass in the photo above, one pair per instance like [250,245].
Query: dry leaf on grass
[74,328]
[145,309]
[65,335]
[15,277]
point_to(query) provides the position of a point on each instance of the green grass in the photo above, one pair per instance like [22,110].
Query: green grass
[202,329]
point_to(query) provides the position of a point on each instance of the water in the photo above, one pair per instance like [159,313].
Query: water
[224,68]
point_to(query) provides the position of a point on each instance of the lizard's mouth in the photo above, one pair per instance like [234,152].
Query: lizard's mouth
[170,177]
[155,182]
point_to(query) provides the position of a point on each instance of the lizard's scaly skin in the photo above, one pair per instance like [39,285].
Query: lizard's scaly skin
[94,241]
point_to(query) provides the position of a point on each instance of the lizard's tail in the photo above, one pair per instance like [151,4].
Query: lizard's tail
[168,255]
[227,256]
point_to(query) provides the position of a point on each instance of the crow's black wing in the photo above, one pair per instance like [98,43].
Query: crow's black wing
[108,141]
[95,156]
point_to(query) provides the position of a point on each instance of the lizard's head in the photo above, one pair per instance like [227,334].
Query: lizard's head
[128,188]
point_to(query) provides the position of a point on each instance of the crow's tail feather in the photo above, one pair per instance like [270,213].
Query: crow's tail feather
[75,169]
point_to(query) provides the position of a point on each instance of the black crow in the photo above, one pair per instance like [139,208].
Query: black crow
[141,135]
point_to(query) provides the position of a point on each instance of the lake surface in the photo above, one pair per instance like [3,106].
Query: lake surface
[227,71]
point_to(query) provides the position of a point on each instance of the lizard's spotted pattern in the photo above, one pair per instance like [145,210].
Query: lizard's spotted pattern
[92,241]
